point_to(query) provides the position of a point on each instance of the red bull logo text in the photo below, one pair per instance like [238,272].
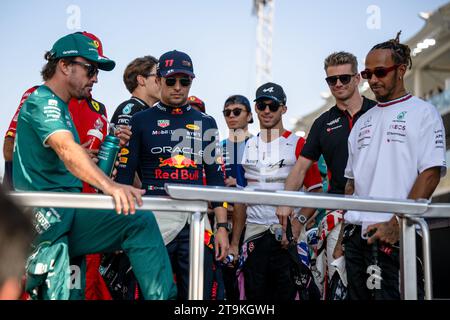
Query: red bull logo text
[179,161]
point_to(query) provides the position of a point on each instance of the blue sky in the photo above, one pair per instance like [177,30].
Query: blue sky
[219,35]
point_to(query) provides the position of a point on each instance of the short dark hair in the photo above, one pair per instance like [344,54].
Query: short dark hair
[49,69]
[140,66]
[16,234]
[401,53]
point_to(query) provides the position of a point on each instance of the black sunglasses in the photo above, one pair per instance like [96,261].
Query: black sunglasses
[379,72]
[185,82]
[343,78]
[90,68]
[273,106]
[237,112]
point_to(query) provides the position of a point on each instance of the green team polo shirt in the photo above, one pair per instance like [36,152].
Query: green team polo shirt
[37,167]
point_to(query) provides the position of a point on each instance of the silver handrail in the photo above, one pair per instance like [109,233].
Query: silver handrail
[194,201]
[164,204]
[300,199]
[407,210]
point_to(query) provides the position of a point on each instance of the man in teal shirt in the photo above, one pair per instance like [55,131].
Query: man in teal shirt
[48,157]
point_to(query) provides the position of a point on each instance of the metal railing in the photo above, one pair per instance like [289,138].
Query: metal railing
[409,212]
[194,199]
[155,204]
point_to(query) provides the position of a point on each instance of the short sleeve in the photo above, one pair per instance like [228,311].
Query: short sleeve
[46,118]
[312,150]
[432,142]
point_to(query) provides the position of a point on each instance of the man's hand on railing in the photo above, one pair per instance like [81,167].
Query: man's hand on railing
[387,232]
[221,244]
[125,197]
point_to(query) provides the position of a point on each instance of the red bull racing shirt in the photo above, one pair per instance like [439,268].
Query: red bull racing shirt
[172,145]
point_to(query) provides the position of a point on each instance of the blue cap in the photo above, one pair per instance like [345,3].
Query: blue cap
[173,62]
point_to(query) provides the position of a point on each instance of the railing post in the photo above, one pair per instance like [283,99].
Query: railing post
[408,268]
[196,256]
[426,252]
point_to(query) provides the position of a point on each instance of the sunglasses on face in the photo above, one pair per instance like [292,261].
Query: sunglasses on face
[90,68]
[273,106]
[379,72]
[343,78]
[237,112]
[185,82]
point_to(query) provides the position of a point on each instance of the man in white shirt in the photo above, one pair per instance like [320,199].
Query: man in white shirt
[267,160]
[396,150]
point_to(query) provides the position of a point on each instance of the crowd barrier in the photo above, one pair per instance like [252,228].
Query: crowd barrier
[194,199]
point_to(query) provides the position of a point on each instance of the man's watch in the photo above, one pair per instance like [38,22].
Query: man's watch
[225,225]
[302,219]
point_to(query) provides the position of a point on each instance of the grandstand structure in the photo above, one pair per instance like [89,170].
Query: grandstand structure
[429,79]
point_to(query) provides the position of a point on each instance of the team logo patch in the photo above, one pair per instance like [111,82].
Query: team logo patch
[192,127]
[333,122]
[124,151]
[177,111]
[163,123]
[401,115]
[127,109]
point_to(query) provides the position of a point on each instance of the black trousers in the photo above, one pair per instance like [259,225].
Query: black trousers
[267,272]
[373,271]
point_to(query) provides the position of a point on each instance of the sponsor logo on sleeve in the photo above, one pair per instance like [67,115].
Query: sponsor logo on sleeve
[127,109]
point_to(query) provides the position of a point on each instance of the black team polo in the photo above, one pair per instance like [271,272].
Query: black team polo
[328,136]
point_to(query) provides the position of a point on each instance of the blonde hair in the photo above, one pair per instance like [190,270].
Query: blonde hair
[340,58]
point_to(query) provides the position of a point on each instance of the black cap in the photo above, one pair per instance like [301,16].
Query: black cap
[271,91]
[239,99]
[173,62]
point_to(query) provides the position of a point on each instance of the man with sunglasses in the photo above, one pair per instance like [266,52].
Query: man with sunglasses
[328,137]
[266,162]
[48,157]
[87,113]
[238,114]
[396,150]
[172,142]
